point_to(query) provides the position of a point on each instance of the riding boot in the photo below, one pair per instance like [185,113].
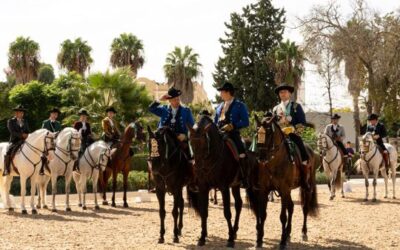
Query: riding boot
[44,162]
[7,164]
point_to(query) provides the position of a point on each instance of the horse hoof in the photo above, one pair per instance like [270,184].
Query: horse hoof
[24,211]
[113,205]
[343,196]
[394,197]
[331,198]
[365,200]
[97,207]
[282,247]
[304,237]
[34,211]
[259,245]
[176,240]
[161,241]
[45,207]
[201,243]
[10,209]
[84,207]
[230,244]
[385,197]
[68,209]
[54,210]
[374,200]
[80,205]
[215,203]
[38,207]
[105,203]
[126,205]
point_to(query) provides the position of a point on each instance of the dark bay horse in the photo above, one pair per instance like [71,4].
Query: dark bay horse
[120,162]
[215,167]
[170,170]
[277,171]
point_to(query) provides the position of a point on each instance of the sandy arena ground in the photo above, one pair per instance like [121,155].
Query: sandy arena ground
[347,223]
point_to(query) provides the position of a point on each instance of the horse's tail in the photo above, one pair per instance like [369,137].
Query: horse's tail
[309,197]
[193,199]
[252,199]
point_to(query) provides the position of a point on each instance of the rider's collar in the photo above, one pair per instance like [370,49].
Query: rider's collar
[285,103]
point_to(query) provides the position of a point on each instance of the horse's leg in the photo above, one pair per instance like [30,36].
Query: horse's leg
[226,198]
[68,178]
[103,183]
[23,192]
[342,180]
[8,182]
[203,210]
[181,204]
[238,208]
[290,208]
[385,178]
[366,185]
[305,215]
[215,197]
[261,216]
[333,185]
[83,184]
[39,202]
[283,218]
[374,182]
[125,178]
[95,179]
[394,165]
[114,186]
[160,192]
[78,187]
[34,182]
[175,214]
[45,193]
[54,191]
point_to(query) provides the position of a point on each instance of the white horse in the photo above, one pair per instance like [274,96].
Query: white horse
[372,161]
[68,143]
[332,162]
[94,160]
[26,163]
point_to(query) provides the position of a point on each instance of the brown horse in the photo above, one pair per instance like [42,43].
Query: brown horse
[276,170]
[170,170]
[215,167]
[120,162]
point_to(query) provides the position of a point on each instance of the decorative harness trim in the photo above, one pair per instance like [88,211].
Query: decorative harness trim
[329,148]
[66,152]
[95,165]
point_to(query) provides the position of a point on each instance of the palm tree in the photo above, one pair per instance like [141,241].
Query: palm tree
[181,68]
[75,56]
[23,59]
[287,60]
[127,51]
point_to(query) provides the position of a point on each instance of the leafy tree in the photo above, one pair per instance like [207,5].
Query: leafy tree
[251,37]
[75,56]
[127,51]
[23,59]
[46,74]
[181,68]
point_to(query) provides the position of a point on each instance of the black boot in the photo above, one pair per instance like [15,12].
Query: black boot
[7,164]
[42,166]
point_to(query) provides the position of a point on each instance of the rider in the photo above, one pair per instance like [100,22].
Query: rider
[111,131]
[52,124]
[378,131]
[174,116]
[19,130]
[337,133]
[290,113]
[231,115]
[83,126]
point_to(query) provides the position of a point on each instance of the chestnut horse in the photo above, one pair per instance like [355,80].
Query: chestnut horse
[120,162]
[276,170]
[215,167]
[170,171]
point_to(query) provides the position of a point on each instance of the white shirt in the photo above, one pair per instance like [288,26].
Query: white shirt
[174,112]
[83,125]
[225,108]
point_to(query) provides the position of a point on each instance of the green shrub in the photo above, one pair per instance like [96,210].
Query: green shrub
[139,162]
[321,178]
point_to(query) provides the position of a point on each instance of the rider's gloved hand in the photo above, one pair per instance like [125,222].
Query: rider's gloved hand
[227,127]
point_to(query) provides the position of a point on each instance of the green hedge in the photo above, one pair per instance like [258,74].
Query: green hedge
[321,178]
[139,162]
[136,180]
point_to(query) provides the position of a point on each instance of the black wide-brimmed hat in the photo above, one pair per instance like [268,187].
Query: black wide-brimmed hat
[83,112]
[268,114]
[205,112]
[227,87]
[55,110]
[336,117]
[111,109]
[173,92]
[20,108]
[373,117]
[284,86]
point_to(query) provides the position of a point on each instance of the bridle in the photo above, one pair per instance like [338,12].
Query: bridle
[40,152]
[68,152]
[323,145]
[100,162]
[365,149]
[264,145]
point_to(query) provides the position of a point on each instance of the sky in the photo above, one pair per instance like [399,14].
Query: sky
[160,24]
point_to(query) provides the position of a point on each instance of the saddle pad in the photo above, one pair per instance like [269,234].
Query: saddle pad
[232,147]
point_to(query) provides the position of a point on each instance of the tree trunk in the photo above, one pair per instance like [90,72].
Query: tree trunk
[356,117]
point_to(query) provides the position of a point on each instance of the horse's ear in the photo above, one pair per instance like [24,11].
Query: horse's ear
[257,120]
[151,134]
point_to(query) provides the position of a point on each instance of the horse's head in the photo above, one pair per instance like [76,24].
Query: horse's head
[366,143]
[201,136]
[69,142]
[324,142]
[42,141]
[104,157]
[163,144]
[269,137]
